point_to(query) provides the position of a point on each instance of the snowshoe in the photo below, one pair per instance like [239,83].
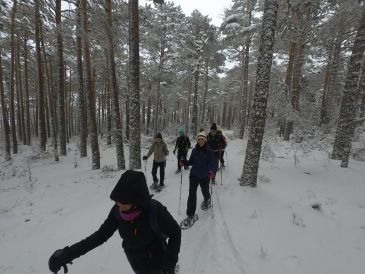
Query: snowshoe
[206,205]
[154,186]
[188,222]
[159,188]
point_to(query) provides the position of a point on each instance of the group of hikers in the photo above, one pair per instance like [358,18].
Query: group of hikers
[151,236]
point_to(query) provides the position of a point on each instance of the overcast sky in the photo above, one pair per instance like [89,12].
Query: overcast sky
[213,8]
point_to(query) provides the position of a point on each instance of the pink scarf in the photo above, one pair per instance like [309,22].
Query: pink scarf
[130,215]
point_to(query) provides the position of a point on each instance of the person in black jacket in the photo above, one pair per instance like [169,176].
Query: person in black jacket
[182,146]
[217,143]
[143,223]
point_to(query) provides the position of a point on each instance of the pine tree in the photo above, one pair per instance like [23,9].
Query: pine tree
[89,89]
[4,112]
[133,87]
[41,98]
[118,132]
[81,92]
[257,122]
[61,81]
[12,83]
[346,122]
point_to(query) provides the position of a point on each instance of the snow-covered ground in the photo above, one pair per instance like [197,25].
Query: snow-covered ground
[307,214]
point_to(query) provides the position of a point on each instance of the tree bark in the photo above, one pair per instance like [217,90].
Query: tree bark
[346,122]
[195,103]
[257,122]
[90,95]
[133,87]
[41,106]
[12,82]
[118,132]
[4,110]
[81,92]
[61,82]
[26,79]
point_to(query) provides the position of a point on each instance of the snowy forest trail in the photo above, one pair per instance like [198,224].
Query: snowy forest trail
[208,246]
[269,229]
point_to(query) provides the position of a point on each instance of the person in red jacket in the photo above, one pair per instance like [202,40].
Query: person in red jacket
[143,223]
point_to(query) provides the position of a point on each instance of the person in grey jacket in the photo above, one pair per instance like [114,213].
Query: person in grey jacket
[160,151]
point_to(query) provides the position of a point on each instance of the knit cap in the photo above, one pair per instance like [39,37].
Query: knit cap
[201,135]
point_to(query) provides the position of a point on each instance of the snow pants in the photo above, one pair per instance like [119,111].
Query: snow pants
[160,165]
[193,187]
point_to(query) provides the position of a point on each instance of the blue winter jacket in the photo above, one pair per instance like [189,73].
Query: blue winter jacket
[203,161]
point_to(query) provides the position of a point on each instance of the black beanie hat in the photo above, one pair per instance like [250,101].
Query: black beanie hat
[131,189]
[158,135]
[213,127]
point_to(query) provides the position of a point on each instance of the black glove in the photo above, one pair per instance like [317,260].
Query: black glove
[168,270]
[144,158]
[60,258]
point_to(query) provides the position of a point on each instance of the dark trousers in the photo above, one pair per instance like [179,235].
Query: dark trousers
[181,156]
[193,187]
[219,156]
[161,165]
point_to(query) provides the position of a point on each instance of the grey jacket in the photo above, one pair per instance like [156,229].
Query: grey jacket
[159,151]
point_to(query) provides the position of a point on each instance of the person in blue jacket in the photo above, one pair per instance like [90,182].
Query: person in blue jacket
[203,164]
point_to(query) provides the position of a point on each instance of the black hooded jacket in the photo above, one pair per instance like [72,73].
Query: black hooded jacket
[146,250]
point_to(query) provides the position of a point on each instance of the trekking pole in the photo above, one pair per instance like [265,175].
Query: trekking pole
[211,197]
[221,170]
[226,158]
[180,192]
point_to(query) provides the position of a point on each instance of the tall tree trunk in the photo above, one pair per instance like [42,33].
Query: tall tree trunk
[26,79]
[4,112]
[46,76]
[127,116]
[195,103]
[257,122]
[346,121]
[324,114]
[284,125]
[149,107]
[246,60]
[81,92]
[18,88]
[90,95]
[61,82]
[187,117]
[205,91]
[21,97]
[12,82]
[41,107]
[118,132]
[133,87]
[109,114]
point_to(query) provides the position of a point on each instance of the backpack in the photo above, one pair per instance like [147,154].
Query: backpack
[152,207]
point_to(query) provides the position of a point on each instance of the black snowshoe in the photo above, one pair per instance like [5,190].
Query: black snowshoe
[157,187]
[188,221]
[206,205]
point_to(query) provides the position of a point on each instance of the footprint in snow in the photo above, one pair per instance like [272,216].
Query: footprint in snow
[297,220]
